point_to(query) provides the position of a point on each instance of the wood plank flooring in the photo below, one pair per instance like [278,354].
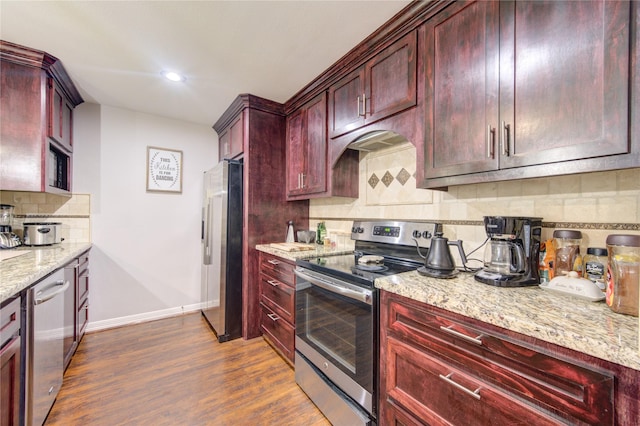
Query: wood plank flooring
[174,372]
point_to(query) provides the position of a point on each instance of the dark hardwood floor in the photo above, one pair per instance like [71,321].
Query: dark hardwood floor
[174,372]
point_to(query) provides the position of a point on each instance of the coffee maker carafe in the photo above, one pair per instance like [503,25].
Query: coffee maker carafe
[511,254]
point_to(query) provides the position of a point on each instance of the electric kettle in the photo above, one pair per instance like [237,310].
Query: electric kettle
[439,262]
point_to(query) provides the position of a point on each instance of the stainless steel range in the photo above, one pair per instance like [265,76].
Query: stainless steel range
[337,317]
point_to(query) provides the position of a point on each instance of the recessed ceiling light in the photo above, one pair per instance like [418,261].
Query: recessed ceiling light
[173,76]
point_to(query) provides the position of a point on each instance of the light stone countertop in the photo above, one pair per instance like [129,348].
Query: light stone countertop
[320,251]
[588,327]
[20,272]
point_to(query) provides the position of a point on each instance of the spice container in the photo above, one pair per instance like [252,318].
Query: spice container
[595,266]
[567,244]
[623,273]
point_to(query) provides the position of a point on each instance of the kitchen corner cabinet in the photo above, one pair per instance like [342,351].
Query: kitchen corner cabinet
[438,367]
[10,350]
[307,149]
[37,102]
[383,86]
[527,89]
[277,303]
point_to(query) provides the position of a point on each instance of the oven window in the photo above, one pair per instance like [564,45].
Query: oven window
[340,329]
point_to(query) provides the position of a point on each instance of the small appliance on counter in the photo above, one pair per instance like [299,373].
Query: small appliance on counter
[42,233]
[7,238]
[439,263]
[511,254]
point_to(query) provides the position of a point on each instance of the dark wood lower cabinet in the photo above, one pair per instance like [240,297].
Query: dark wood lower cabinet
[10,349]
[438,367]
[277,304]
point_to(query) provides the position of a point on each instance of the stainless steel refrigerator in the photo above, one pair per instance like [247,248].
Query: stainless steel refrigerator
[222,249]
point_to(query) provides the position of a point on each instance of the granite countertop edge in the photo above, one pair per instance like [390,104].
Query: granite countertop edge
[588,327]
[319,251]
[20,272]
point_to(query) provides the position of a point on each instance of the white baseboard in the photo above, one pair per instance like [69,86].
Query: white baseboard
[144,317]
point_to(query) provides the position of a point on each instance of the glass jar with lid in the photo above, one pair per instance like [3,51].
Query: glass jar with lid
[567,244]
[595,266]
[623,273]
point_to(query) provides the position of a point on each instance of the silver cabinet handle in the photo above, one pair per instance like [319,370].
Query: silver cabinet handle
[475,393]
[476,340]
[491,133]
[364,104]
[273,283]
[505,138]
[273,317]
[302,180]
[358,105]
[273,262]
[42,295]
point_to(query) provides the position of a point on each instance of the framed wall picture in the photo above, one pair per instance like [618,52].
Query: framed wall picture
[164,170]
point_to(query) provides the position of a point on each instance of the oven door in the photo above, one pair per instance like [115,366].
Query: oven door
[335,332]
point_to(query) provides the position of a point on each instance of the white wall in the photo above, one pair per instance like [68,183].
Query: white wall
[145,260]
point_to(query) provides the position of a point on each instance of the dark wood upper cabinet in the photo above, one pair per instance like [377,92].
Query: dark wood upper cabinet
[37,102]
[230,142]
[307,149]
[518,84]
[383,86]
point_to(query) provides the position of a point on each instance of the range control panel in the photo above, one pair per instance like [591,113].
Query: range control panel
[395,232]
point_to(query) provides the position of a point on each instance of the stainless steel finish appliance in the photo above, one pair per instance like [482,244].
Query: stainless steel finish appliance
[42,233]
[511,254]
[222,249]
[336,317]
[7,238]
[44,351]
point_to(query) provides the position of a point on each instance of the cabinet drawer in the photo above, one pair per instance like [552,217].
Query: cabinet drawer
[83,288]
[279,332]
[9,321]
[439,394]
[280,297]
[83,318]
[562,387]
[277,268]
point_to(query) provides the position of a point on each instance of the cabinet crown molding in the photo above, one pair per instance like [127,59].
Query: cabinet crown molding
[242,102]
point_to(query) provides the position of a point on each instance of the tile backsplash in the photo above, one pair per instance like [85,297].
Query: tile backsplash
[73,212]
[598,204]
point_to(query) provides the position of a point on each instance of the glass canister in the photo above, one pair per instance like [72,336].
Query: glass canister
[567,244]
[623,273]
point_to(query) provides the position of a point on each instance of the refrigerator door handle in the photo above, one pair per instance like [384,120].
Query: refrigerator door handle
[206,255]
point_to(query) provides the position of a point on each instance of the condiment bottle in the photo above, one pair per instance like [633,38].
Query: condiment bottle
[595,266]
[321,233]
[567,244]
[623,273]
[290,238]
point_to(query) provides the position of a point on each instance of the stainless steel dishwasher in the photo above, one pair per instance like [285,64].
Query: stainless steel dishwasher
[45,337]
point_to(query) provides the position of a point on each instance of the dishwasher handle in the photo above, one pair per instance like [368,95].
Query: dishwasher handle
[51,291]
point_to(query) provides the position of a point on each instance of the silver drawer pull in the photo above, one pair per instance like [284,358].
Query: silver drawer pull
[273,317]
[273,262]
[475,393]
[273,283]
[476,340]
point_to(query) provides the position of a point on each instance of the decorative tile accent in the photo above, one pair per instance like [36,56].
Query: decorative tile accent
[403,176]
[387,179]
[373,181]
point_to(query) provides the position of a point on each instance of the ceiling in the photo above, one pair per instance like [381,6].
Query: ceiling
[114,51]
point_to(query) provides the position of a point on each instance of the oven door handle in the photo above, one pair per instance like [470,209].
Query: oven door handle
[361,295]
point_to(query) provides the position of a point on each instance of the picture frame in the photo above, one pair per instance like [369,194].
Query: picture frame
[164,170]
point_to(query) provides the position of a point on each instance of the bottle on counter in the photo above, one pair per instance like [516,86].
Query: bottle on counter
[595,266]
[623,273]
[290,235]
[321,233]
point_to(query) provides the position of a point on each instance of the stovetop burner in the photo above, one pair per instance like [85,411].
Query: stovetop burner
[395,241]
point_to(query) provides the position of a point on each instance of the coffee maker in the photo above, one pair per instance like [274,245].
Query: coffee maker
[511,254]
[7,238]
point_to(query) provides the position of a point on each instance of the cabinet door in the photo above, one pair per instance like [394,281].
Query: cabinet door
[230,142]
[461,91]
[224,145]
[295,152]
[315,178]
[346,110]
[391,79]
[10,344]
[60,116]
[564,80]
